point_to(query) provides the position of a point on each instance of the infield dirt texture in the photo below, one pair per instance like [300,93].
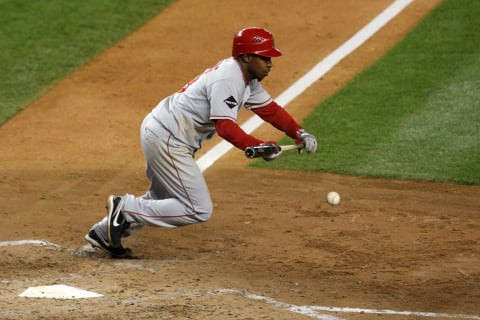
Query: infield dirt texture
[273,239]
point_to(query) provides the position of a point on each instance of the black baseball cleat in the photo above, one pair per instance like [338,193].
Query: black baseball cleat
[116,222]
[97,242]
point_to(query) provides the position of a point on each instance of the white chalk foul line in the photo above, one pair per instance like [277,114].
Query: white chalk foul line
[311,311]
[312,76]
[303,310]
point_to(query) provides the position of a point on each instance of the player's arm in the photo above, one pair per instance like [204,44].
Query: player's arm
[231,131]
[279,118]
[266,108]
[282,120]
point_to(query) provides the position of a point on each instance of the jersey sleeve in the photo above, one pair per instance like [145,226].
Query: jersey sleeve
[279,118]
[232,132]
[259,97]
[225,100]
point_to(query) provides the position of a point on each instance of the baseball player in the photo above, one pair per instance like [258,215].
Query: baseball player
[175,129]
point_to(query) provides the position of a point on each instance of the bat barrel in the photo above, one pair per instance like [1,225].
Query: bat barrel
[250,152]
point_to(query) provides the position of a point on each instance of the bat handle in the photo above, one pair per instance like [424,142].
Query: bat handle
[292,147]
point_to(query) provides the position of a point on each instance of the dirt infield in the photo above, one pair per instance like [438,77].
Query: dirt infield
[274,249]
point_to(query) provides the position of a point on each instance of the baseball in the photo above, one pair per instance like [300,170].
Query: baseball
[333,198]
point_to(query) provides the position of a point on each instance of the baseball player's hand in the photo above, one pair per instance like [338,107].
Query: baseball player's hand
[275,154]
[309,141]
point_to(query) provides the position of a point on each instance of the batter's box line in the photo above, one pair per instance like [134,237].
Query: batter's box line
[39,243]
[86,250]
[312,311]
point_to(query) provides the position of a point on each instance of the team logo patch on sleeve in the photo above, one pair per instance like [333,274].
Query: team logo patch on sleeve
[231,102]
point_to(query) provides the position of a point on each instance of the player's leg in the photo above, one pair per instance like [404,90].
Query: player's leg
[175,179]
[156,191]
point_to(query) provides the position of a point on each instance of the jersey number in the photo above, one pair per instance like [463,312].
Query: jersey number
[189,83]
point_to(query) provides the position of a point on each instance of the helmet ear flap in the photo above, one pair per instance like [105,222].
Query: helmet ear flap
[254,40]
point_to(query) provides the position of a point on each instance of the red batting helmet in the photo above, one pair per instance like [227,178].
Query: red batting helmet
[254,41]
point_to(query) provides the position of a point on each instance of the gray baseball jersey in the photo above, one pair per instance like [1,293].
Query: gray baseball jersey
[218,93]
[173,131]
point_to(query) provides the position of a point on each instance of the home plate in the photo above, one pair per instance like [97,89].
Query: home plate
[58,291]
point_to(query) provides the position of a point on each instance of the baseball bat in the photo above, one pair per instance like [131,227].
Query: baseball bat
[260,151]
[292,147]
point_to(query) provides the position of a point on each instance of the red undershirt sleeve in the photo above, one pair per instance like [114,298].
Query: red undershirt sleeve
[279,118]
[230,131]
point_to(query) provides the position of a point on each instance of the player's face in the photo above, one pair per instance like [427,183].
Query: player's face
[258,67]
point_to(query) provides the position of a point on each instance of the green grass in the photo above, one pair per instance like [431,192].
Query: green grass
[41,42]
[415,114]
